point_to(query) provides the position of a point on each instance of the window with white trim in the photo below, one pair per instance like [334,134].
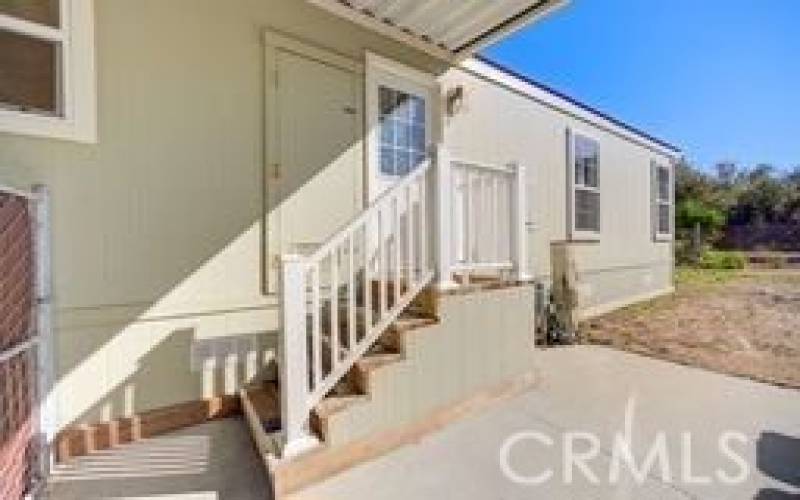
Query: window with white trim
[662,200]
[400,107]
[584,172]
[47,68]
[403,130]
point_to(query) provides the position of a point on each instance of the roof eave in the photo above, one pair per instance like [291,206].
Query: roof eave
[419,41]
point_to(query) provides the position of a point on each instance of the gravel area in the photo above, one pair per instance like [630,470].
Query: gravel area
[740,323]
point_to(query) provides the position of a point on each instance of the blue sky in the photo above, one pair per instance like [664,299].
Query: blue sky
[718,78]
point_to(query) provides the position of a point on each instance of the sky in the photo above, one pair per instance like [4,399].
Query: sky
[718,78]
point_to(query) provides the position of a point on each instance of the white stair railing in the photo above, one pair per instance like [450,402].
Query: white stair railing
[453,216]
[337,302]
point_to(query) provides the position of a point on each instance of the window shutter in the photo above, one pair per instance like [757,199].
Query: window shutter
[570,198]
[653,200]
[671,171]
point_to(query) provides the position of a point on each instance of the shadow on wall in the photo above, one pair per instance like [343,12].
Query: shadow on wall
[162,246]
[778,456]
[212,328]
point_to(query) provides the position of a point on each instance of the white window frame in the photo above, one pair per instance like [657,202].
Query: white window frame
[77,88]
[574,233]
[381,71]
[657,201]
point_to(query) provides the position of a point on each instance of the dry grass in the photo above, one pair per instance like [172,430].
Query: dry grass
[744,323]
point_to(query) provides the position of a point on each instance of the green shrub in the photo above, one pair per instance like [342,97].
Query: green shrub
[714,259]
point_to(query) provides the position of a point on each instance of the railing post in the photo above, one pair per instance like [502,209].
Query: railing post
[293,358]
[519,236]
[443,234]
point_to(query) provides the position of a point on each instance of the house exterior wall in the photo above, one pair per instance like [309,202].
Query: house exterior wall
[497,124]
[158,234]
[157,228]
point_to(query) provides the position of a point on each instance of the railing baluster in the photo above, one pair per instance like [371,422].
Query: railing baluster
[423,227]
[410,236]
[334,308]
[316,325]
[485,208]
[468,217]
[397,247]
[383,265]
[351,295]
[494,221]
[367,279]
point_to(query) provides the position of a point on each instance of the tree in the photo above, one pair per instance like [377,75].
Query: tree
[703,220]
[763,199]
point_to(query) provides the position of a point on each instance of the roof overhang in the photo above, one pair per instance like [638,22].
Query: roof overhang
[447,29]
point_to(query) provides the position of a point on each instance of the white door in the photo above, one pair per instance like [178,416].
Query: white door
[314,177]
[400,110]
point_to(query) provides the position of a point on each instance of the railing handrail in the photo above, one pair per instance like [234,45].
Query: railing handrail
[339,236]
[502,169]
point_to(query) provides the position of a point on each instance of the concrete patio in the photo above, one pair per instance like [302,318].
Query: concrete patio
[581,389]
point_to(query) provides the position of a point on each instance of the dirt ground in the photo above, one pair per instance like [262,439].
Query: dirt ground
[740,323]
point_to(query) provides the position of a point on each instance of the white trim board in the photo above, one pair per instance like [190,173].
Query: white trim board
[503,79]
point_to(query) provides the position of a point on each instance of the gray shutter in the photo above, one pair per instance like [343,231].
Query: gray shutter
[570,187]
[653,200]
[671,171]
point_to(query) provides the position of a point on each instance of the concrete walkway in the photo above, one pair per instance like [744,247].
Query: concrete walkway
[213,461]
[587,389]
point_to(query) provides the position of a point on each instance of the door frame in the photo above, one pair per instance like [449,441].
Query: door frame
[275,41]
[382,70]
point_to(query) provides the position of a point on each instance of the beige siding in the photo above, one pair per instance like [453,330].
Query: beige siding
[157,229]
[484,339]
[497,125]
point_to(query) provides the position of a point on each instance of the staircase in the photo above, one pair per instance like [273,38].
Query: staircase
[353,388]
[344,306]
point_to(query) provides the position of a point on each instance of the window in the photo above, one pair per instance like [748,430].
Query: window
[47,68]
[662,201]
[402,124]
[584,175]
[400,106]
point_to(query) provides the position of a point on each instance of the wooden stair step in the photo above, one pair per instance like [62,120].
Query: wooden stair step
[375,361]
[335,404]
[408,322]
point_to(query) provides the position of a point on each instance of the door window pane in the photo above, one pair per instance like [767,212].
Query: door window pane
[403,131]
[28,73]
[403,161]
[418,138]
[38,11]
[418,111]
[387,161]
